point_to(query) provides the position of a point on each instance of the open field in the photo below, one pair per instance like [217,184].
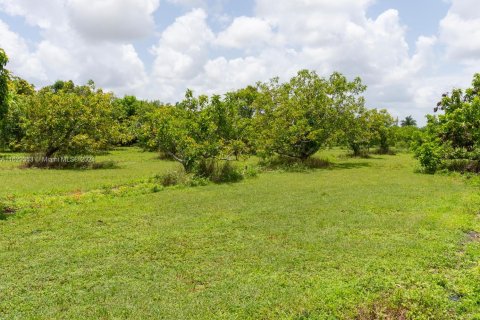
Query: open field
[363,239]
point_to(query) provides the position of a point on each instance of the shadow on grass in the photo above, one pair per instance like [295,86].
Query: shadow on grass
[6,212]
[4,217]
[349,165]
[314,163]
[74,166]
[295,165]
[365,157]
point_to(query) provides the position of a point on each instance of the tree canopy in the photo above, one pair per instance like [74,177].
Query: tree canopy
[297,118]
[452,138]
[68,121]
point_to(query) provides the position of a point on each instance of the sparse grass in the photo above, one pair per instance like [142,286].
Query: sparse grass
[361,239]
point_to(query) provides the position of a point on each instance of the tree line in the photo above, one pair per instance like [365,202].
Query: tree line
[273,120]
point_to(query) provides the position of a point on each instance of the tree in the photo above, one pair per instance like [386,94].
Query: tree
[4,78]
[296,119]
[240,111]
[409,122]
[126,114]
[460,123]
[406,137]
[12,133]
[19,86]
[380,125]
[356,134]
[68,121]
[454,136]
[195,131]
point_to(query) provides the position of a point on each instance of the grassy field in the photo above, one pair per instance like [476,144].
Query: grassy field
[132,165]
[363,239]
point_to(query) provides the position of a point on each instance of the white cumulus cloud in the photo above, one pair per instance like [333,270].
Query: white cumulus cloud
[113,19]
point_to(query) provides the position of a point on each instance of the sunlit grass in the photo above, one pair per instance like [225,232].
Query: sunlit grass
[360,239]
[131,165]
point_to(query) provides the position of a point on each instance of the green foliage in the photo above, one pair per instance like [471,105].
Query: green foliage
[11,131]
[22,87]
[365,129]
[4,78]
[380,125]
[460,124]
[455,134]
[131,114]
[65,120]
[298,118]
[197,130]
[356,134]
[430,156]
[407,136]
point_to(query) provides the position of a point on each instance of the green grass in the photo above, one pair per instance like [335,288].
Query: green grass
[364,239]
[132,165]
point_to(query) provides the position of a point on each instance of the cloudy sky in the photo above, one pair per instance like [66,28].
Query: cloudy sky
[408,52]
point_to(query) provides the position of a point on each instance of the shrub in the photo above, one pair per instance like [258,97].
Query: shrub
[462,165]
[250,172]
[430,156]
[171,178]
[218,172]
[226,173]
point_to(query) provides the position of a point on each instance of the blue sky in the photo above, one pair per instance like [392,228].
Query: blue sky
[407,52]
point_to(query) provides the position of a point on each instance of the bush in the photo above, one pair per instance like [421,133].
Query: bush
[430,156]
[462,165]
[250,172]
[172,178]
[218,172]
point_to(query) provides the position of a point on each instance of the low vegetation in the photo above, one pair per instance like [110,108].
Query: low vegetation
[283,200]
[360,239]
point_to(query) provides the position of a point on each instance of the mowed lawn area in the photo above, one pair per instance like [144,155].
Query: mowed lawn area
[362,239]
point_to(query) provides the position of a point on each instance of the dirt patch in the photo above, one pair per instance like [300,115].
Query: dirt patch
[379,311]
[7,210]
[473,236]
